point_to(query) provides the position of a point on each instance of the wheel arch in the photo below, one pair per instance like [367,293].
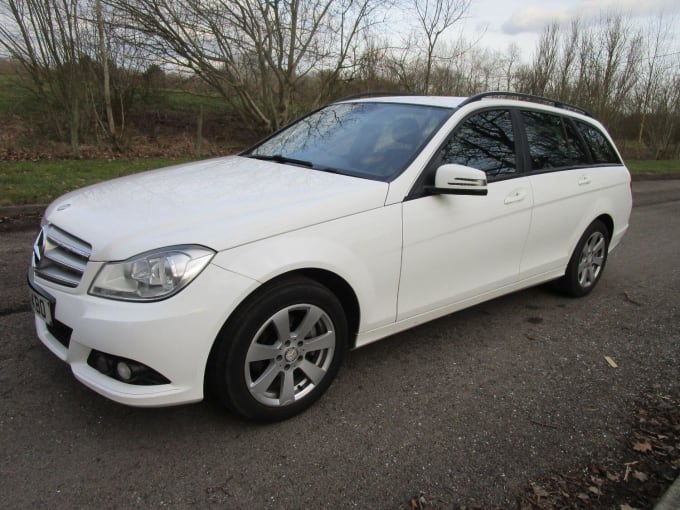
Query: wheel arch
[335,283]
[608,222]
[343,291]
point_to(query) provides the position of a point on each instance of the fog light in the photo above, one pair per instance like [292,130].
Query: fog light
[124,371]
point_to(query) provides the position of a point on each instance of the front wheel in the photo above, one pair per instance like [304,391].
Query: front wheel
[280,350]
[587,262]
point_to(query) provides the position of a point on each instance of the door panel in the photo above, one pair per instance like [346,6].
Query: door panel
[560,202]
[457,246]
[565,203]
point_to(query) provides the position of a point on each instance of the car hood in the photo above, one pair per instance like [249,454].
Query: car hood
[219,203]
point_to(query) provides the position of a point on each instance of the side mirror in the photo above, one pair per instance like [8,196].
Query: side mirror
[458,180]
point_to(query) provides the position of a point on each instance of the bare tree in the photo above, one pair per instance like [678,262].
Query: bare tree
[657,38]
[435,17]
[44,37]
[510,63]
[545,61]
[255,54]
[104,56]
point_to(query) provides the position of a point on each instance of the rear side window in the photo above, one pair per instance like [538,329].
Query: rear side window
[484,141]
[552,142]
[598,144]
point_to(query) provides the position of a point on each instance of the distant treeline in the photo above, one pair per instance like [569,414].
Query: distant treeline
[95,64]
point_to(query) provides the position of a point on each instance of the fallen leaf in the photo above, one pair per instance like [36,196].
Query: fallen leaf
[643,446]
[626,506]
[639,475]
[582,496]
[611,362]
[597,480]
[539,491]
[595,490]
[614,477]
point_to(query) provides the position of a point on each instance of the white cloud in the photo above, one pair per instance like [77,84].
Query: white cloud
[534,18]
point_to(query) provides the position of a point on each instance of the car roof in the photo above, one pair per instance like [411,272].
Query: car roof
[498,98]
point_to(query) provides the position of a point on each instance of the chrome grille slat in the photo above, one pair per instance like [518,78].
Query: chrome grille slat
[57,275]
[68,242]
[60,257]
[66,259]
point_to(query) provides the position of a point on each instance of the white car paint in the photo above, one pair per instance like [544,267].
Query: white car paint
[407,261]
[457,247]
[219,203]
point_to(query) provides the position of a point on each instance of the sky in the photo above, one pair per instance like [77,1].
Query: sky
[498,23]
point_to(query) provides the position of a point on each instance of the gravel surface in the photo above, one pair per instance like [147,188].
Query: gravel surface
[467,409]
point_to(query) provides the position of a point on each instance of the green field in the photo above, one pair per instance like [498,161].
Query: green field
[40,182]
[650,166]
[16,98]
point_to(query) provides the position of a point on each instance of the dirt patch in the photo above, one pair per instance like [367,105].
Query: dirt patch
[15,219]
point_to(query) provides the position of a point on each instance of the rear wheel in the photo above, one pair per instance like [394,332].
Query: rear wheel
[587,262]
[280,350]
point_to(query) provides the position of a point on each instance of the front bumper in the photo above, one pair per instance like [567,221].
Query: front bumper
[173,337]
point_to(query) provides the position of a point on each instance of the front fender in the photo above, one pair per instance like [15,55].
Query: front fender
[364,249]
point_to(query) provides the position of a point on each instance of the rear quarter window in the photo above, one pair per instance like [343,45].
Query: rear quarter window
[552,142]
[600,148]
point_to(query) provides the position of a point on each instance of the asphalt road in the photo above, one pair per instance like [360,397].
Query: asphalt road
[466,409]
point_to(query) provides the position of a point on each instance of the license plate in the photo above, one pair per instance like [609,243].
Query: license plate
[41,306]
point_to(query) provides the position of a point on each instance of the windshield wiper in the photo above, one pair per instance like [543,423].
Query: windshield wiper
[328,169]
[280,158]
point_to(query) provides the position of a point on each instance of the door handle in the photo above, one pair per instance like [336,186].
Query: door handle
[583,180]
[516,196]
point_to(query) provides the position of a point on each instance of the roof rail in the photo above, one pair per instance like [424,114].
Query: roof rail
[372,94]
[526,97]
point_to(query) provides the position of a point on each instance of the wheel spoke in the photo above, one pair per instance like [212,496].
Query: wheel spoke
[287,388]
[311,318]
[599,245]
[281,322]
[259,352]
[590,275]
[312,371]
[325,341]
[265,380]
[598,261]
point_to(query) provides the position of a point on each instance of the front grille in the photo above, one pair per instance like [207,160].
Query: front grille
[60,257]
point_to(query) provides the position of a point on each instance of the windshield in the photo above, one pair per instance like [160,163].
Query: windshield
[373,140]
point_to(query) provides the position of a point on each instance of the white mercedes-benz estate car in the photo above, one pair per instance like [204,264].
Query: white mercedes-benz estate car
[251,275]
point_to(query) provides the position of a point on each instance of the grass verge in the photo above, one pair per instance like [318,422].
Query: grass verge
[655,167]
[40,182]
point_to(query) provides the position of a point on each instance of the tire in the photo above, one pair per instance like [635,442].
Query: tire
[280,350]
[587,262]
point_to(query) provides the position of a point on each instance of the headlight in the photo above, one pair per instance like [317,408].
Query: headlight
[153,275]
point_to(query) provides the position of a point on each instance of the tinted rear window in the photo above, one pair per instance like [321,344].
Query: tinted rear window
[598,144]
[552,142]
